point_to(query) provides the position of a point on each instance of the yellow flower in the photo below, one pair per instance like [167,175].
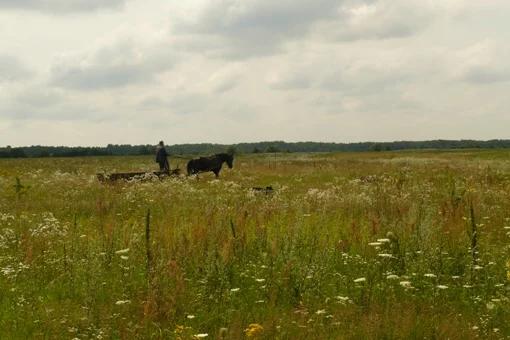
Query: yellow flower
[253,330]
[178,329]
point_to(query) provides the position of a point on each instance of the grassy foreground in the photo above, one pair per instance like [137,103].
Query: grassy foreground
[372,245]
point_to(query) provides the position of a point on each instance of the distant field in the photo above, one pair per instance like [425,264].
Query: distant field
[392,245]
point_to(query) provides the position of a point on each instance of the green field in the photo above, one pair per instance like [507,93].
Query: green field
[393,245]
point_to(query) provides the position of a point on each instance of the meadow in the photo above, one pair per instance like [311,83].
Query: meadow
[381,245]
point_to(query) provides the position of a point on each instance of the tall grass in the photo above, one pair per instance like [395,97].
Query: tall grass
[373,245]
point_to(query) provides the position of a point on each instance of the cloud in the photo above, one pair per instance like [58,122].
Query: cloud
[225,79]
[382,19]
[257,27]
[62,6]
[11,69]
[117,65]
[37,102]
[252,28]
[485,62]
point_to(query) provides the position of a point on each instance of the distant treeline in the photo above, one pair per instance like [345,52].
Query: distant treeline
[260,147]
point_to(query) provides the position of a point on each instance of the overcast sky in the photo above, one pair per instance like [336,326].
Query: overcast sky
[93,72]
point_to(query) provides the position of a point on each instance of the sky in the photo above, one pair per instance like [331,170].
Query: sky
[94,72]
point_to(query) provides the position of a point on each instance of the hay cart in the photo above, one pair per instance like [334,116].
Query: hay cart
[142,175]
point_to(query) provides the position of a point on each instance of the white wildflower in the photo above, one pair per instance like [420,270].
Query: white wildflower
[122,251]
[122,302]
[360,279]
[406,284]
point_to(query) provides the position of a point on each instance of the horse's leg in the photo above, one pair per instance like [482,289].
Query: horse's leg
[216,172]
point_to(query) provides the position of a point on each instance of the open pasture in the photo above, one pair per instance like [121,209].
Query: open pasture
[351,245]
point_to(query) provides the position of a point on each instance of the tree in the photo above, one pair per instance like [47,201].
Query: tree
[272,149]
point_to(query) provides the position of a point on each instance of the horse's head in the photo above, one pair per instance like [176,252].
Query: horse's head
[229,158]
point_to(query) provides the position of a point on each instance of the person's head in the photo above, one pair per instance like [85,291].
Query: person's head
[161,143]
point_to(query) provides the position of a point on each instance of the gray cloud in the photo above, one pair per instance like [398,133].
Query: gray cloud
[257,28]
[354,77]
[383,19]
[243,29]
[61,6]
[39,103]
[122,64]
[11,69]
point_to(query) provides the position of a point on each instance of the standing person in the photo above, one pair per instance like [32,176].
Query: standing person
[161,157]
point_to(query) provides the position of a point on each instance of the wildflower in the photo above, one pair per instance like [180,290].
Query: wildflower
[385,255]
[179,329]
[253,330]
[122,302]
[125,258]
[375,244]
[384,240]
[392,277]
[430,275]
[442,287]
[201,335]
[233,290]
[406,284]
[260,280]
[190,316]
[320,312]
[360,279]
[122,251]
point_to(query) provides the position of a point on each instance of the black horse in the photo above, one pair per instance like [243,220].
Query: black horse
[211,163]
